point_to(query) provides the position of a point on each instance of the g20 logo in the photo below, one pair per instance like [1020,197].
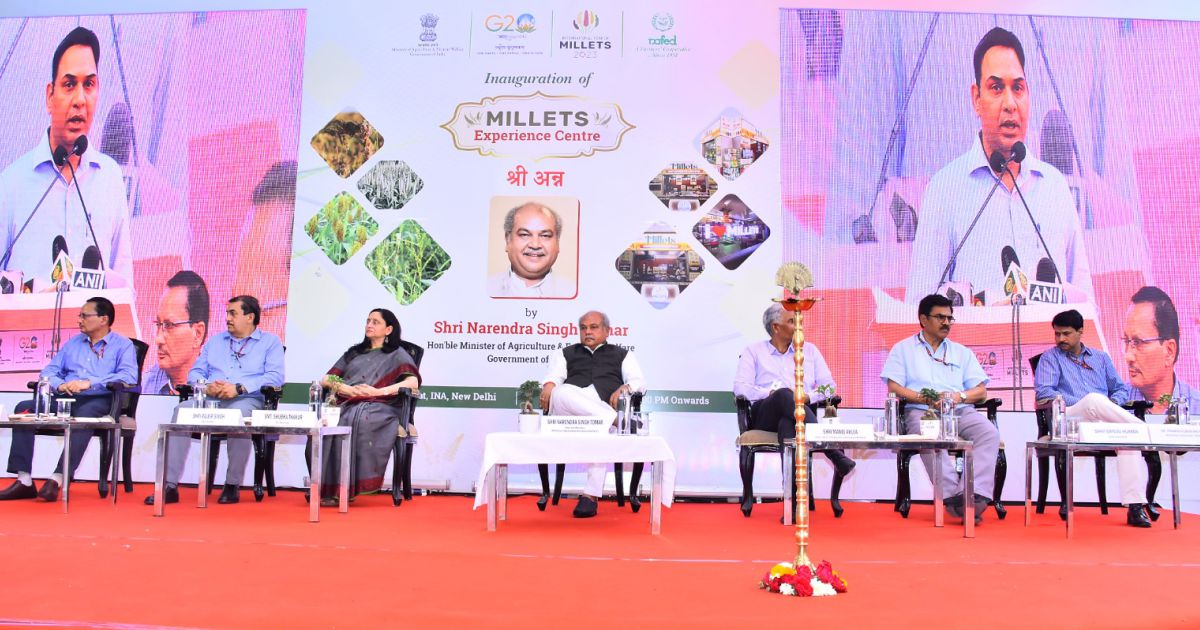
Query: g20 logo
[524,23]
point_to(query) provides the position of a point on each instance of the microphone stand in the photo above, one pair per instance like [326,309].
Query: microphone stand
[56,333]
[86,216]
[8,253]
[912,83]
[1018,380]
[1037,230]
[963,241]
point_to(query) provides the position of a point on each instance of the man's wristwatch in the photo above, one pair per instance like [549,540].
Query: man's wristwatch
[962,396]
[241,389]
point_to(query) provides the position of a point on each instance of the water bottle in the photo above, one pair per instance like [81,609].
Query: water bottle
[200,391]
[891,414]
[315,397]
[1059,426]
[949,421]
[1184,411]
[624,403]
[42,398]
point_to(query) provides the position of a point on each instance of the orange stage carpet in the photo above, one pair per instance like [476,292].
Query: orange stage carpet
[431,564]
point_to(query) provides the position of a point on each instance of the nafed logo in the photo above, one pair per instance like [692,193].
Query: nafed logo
[666,43]
[428,23]
[586,21]
[663,21]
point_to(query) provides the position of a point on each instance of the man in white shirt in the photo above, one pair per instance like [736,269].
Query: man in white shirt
[532,234]
[587,379]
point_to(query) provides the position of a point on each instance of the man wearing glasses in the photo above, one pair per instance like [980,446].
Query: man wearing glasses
[180,329]
[82,370]
[928,360]
[1152,349]
[236,364]
[1087,380]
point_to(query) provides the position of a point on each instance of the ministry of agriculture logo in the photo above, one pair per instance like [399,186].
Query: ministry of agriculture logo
[586,21]
[663,21]
[429,22]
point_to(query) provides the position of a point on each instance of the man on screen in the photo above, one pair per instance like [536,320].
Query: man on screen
[71,98]
[532,234]
[1005,234]
[1087,380]
[929,360]
[587,379]
[180,329]
[1151,341]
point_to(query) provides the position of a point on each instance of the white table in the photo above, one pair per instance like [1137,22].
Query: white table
[502,449]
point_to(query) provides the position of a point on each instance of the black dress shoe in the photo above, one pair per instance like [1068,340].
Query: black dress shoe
[1062,511]
[19,490]
[1137,515]
[229,494]
[586,508]
[49,491]
[170,495]
[635,503]
[542,501]
[954,506]
[1152,510]
[841,464]
[747,506]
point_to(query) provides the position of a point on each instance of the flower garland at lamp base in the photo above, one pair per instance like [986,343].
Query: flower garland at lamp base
[786,579]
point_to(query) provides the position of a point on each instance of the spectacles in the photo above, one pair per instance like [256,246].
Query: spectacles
[1139,343]
[87,315]
[169,326]
[948,319]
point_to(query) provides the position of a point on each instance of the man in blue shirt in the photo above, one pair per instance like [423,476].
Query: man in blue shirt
[82,369]
[1000,98]
[71,100]
[1087,380]
[236,364]
[928,360]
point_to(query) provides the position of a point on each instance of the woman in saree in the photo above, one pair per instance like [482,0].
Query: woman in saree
[367,380]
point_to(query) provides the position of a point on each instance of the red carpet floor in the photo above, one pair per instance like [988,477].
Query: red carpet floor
[431,564]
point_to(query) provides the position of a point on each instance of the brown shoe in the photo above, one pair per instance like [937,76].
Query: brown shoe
[18,490]
[49,491]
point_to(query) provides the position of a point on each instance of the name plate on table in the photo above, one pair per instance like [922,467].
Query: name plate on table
[588,425]
[838,431]
[1114,432]
[269,418]
[1180,434]
[210,417]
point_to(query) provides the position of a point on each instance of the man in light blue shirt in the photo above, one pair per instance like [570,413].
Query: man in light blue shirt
[1000,97]
[236,364]
[766,376]
[1087,380]
[928,360]
[71,98]
[1152,344]
[83,368]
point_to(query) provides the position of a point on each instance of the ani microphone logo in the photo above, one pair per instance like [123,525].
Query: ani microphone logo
[537,126]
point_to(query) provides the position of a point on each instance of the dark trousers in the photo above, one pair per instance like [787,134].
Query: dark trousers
[777,412]
[20,454]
